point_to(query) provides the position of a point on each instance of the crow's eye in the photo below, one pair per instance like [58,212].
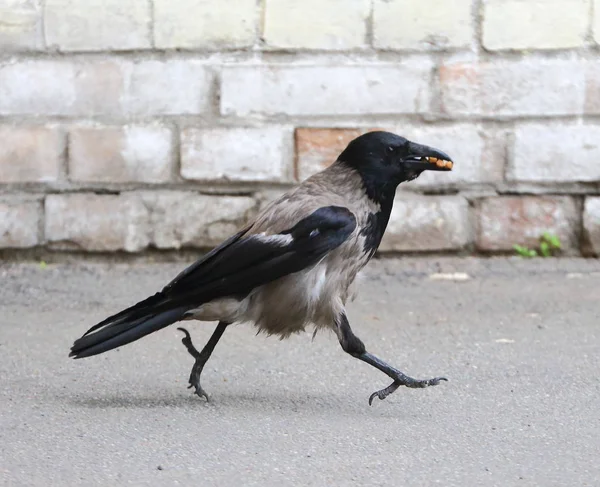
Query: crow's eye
[390,149]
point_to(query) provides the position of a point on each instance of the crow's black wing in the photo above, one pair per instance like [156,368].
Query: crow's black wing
[233,269]
[252,260]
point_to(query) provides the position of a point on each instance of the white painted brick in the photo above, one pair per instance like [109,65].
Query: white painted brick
[513,88]
[508,220]
[97,222]
[422,24]
[97,25]
[427,223]
[104,87]
[21,25]
[591,223]
[535,24]
[190,24]
[563,153]
[592,88]
[478,152]
[19,224]
[133,153]
[378,89]
[186,219]
[31,154]
[316,24]
[176,87]
[37,87]
[237,154]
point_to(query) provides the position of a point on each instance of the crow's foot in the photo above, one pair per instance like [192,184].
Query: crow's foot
[201,360]
[404,380]
[195,380]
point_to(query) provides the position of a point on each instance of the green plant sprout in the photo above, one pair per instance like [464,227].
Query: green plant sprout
[549,245]
[524,251]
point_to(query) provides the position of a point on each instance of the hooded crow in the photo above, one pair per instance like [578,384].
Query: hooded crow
[293,265]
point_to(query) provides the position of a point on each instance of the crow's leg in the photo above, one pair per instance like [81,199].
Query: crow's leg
[201,357]
[355,347]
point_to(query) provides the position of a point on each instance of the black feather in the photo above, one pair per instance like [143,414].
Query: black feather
[233,269]
[256,260]
[374,229]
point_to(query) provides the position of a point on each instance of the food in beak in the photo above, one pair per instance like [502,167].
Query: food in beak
[440,162]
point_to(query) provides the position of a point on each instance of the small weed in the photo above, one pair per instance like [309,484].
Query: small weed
[524,251]
[549,245]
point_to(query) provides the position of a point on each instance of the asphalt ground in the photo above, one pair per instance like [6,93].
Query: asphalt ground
[518,340]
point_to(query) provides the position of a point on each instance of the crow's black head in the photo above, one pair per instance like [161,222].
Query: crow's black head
[384,160]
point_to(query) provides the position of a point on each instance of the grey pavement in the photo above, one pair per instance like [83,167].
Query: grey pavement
[519,341]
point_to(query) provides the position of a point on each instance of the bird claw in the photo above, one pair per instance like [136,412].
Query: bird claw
[194,380]
[187,343]
[383,393]
[200,392]
[195,383]
[407,382]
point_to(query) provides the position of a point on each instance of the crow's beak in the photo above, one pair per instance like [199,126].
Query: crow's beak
[422,157]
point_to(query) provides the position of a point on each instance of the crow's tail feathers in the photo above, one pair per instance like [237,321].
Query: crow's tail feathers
[133,323]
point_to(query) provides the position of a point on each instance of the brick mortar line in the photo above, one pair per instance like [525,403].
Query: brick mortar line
[509,149]
[217,189]
[435,90]
[299,56]
[214,94]
[546,191]
[151,24]
[66,156]
[589,35]
[176,146]
[579,225]
[478,18]
[262,18]
[315,121]
[42,221]
[472,222]
[240,189]
[43,23]
[183,255]
[370,26]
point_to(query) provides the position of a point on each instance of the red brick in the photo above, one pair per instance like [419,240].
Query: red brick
[317,148]
[507,220]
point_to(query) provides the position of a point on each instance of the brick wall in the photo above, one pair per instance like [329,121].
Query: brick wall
[140,124]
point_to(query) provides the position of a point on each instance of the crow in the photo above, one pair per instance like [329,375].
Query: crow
[293,265]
